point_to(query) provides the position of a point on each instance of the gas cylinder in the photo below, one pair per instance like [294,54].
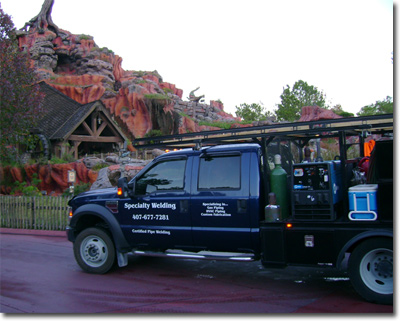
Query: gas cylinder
[278,180]
[272,210]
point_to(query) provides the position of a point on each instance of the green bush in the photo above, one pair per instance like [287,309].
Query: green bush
[153,133]
[222,125]
[99,166]
[157,97]
[65,158]
[86,37]
[30,190]
[81,187]
[168,90]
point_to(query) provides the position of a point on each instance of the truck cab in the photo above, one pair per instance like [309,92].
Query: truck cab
[190,200]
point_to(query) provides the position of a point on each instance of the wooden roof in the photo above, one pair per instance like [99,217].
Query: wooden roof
[62,115]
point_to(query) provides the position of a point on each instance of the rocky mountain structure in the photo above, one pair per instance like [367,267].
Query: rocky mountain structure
[315,113]
[52,176]
[139,101]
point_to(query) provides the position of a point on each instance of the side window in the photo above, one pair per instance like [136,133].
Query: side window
[164,176]
[219,173]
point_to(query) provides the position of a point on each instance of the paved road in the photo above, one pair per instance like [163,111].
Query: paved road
[39,274]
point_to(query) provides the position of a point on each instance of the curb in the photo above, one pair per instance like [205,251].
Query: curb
[48,233]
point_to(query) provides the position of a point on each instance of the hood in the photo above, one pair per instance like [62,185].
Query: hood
[107,193]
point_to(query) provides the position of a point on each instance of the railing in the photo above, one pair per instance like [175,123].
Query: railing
[45,213]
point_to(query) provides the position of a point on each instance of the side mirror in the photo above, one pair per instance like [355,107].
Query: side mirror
[122,188]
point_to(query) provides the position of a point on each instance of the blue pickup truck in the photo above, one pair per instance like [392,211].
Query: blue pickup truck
[210,202]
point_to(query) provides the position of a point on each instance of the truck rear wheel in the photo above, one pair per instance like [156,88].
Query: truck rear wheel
[94,251]
[371,270]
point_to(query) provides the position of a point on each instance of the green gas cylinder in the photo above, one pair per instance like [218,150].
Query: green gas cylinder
[278,180]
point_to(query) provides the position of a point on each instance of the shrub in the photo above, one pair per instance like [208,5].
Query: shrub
[153,133]
[81,187]
[99,166]
[86,37]
[31,190]
[222,125]
[65,158]
[157,97]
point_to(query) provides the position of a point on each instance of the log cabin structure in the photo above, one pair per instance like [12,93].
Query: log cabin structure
[77,129]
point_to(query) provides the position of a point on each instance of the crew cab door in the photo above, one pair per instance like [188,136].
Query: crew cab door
[220,202]
[157,217]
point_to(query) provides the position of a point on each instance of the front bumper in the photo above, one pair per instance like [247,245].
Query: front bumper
[70,234]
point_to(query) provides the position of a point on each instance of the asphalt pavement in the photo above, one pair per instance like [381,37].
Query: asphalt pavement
[39,275]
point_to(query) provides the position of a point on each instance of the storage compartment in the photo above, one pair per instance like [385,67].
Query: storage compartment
[363,202]
[316,190]
[273,245]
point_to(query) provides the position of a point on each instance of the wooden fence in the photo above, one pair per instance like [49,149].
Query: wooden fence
[45,213]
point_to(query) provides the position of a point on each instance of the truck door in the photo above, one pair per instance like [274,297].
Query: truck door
[158,216]
[220,202]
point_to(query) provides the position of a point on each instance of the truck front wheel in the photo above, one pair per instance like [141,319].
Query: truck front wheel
[371,270]
[94,251]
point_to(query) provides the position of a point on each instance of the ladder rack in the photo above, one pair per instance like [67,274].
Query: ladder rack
[322,128]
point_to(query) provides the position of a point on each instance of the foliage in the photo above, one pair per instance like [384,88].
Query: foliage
[222,125]
[19,97]
[301,94]
[85,37]
[99,166]
[56,160]
[182,114]
[30,189]
[385,106]
[106,50]
[82,187]
[78,188]
[65,158]
[252,112]
[157,97]
[153,133]
[337,109]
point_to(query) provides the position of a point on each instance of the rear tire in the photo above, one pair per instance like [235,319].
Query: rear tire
[371,270]
[94,251]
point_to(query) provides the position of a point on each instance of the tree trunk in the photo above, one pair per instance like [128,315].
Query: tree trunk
[44,19]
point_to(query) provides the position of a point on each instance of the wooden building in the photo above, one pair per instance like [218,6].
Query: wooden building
[76,129]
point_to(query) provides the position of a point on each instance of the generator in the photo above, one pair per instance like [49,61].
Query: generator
[316,190]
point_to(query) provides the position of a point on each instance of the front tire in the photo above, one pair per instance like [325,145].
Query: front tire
[94,251]
[371,270]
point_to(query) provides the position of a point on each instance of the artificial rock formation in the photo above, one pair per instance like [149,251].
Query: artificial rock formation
[52,176]
[138,101]
[315,113]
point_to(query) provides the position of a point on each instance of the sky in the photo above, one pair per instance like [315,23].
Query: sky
[242,51]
